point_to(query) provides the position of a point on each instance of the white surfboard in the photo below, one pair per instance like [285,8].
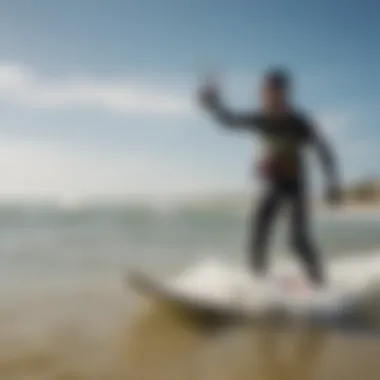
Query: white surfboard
[232,291]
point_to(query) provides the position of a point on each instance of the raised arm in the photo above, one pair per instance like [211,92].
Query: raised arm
[210,100]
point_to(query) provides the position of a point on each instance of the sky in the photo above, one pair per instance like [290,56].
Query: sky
[97,98]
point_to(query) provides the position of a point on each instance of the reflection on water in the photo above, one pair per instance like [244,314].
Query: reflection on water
[93,335]
[164,347]
[300,363]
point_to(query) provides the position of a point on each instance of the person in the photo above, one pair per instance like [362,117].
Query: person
[287,133]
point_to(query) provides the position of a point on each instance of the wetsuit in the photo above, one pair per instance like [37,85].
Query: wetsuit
[285,138]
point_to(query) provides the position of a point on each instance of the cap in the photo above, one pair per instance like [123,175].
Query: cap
[278,78]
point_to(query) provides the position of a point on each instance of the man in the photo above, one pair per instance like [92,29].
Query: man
[286,133]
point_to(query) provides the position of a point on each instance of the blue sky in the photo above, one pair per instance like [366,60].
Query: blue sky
[97,97]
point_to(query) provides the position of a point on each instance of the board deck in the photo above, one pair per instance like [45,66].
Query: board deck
[288,299]
[163,292]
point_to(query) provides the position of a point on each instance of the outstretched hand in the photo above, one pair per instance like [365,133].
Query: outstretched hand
[209,94]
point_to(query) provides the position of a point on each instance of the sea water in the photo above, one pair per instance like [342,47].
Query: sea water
[65,312]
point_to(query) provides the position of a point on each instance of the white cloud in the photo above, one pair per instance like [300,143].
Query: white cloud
[43,169]
[336,121]
[338,125]
[357,156]
[36,169]
[22,86]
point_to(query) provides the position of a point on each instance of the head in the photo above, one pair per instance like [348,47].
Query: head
[275,90]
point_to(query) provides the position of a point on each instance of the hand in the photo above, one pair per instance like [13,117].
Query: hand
[334,195]
[209,95]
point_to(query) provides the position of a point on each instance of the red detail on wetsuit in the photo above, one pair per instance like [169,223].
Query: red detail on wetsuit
[272,169]
[268,169]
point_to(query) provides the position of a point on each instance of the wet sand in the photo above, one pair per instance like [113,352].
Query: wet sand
[97,337]
[177,350]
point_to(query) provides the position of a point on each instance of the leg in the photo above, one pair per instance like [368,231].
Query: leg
[300,234]
[261,224]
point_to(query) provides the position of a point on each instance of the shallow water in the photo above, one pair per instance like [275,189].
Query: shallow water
[65,313]
[98,337]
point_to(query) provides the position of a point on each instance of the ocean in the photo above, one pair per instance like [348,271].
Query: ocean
[66,313]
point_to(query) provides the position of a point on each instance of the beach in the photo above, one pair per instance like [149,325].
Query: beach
[66,312]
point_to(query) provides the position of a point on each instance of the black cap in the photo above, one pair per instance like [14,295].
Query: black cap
[278,78]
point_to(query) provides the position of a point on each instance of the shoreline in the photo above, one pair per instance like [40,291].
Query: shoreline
[348,207]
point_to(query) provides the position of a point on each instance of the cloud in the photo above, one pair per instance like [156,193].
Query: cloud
[21,86]
[357,154]
[339,126]
[40,169]
[336,121]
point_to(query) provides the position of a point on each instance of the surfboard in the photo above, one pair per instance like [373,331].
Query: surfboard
[233,292]
[169,293]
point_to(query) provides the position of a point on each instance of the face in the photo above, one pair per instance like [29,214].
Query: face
[274,98]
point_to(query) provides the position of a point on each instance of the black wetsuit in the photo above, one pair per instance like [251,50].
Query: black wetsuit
[286,138]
